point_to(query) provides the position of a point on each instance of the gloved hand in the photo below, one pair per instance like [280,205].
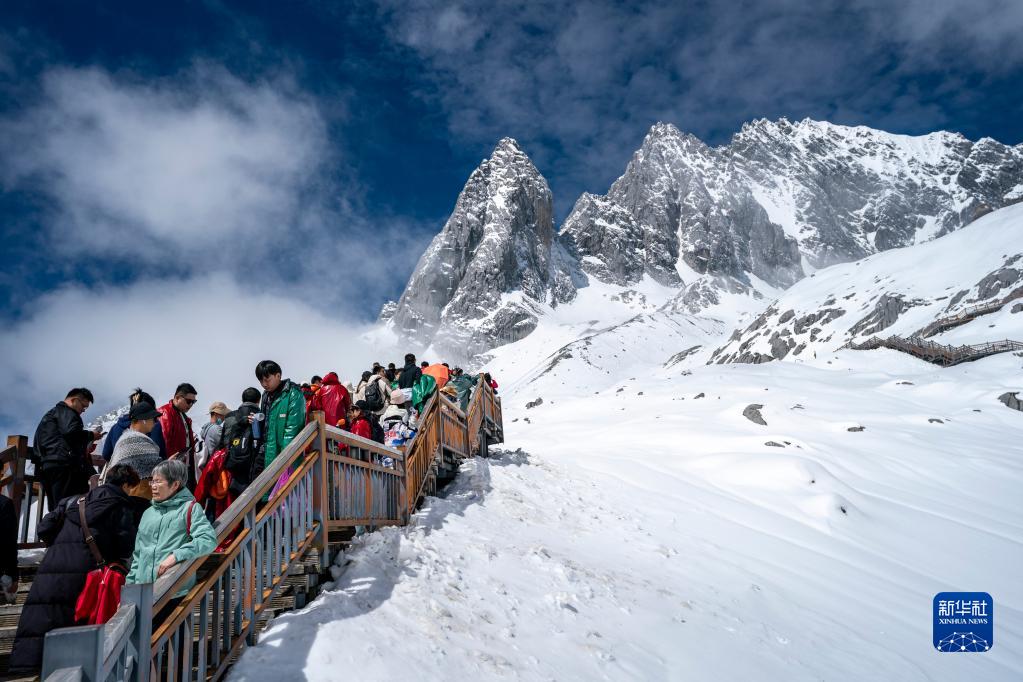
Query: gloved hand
[8,589]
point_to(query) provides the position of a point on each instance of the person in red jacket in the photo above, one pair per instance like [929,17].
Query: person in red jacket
[361,415]
[177,429]
[333,399]
[310,391]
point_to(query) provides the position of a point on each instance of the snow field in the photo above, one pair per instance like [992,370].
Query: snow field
[658,537]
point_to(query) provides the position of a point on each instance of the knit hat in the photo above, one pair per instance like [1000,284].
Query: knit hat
[138,451]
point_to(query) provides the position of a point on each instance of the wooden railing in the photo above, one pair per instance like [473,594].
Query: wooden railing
[110,652]
[420,457]
[940,354]
[454,432]
[24,490]
[494,424]
[337,480]
[474,419]
[365,482]
[217,616]
[967,314]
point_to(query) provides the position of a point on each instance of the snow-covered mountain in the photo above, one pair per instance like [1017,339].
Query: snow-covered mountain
[481,279]
[899,292]
[751,217]
[677,208]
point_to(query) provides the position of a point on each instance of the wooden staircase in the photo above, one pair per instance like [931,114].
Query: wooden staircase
[272,558]
[966,315]
[918,344]
[937,353]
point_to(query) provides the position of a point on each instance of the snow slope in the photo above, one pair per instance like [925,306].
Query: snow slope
[897,292]
[660,537]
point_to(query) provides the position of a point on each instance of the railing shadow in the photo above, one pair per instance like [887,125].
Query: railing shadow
[372,568]
[470,488]
[367,582]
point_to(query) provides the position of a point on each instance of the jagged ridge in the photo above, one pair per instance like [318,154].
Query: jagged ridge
[779,200]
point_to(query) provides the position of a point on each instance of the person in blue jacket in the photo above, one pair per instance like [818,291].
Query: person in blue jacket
[124,421]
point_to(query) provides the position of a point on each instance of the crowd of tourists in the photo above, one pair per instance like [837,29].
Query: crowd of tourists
[163,483]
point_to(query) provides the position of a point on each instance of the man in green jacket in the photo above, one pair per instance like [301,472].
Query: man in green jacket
[284,407]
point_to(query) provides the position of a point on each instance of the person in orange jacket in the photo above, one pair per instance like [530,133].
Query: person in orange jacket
[440,373]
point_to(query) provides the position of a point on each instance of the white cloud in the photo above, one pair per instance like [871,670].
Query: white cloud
[209,331]
[185,163]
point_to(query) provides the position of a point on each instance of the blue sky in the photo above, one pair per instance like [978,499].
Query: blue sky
[280,147]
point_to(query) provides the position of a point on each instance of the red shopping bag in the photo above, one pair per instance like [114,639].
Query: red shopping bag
[99,599]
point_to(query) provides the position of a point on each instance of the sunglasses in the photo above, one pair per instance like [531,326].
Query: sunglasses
[191,401]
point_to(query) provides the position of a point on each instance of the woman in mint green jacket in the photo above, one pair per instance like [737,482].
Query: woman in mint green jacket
[173,530]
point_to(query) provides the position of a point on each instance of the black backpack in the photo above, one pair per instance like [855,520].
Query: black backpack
[241,447]
[378,431]
[374,398]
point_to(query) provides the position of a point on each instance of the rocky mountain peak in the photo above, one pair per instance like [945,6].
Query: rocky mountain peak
[665,145]
[681,211]
[493,264]
[509,146]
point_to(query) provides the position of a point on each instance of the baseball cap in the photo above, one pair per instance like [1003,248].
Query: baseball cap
[143,410]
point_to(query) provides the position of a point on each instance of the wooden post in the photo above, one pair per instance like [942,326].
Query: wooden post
[321,500]
[17,488]
[78,648]
[441,440]
[468,436]
[249,592]
[141,635]
[403,486]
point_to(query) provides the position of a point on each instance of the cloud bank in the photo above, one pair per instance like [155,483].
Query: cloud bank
[208,331]
[195,173]
[204,224]
[137,167]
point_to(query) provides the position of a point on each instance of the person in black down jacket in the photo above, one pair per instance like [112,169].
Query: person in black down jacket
[113,518]
[62,447]
[410,373]
[8,550]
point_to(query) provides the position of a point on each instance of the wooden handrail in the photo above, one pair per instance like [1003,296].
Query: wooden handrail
[264,483]
[349,438]
[967,314]
[171,581]
[942,354]
[420,453]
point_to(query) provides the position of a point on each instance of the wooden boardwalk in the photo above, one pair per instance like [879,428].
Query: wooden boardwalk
[919,345]
[937,353]
[967,314]
[272,555]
